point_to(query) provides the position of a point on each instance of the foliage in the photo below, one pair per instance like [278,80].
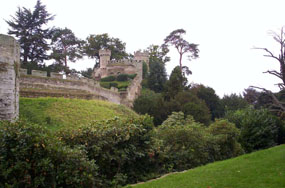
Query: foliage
[183,145]
[157,73]
[176,83]
[211,99]
[87,73]
[187,144]
[251,96]
[151,103]
[145,70]
[182,46]
[65,46]
[121,148]
[132,76]
[226,136]
[190,104]
[103,41]
[59,113]
[122,77]
[199,111]
[27,26]
[259,128]
[108,79]
[233,102]
[30,157]
[259,169]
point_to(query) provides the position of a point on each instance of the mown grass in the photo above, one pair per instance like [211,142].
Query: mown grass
[57,113]
[262,169]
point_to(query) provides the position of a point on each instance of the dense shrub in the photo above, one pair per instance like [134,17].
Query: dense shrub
[259,128]
[151,103]
[132,76]
[183,143]
[105,85]
[186,144]
[225,136]
[122,77]
[30,157]
[121,148]
[108,79]
[113,84]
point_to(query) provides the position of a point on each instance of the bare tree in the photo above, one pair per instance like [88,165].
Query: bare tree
[280,39]
[276,105]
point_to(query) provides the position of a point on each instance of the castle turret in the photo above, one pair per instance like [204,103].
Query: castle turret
[142,56]
[105,56]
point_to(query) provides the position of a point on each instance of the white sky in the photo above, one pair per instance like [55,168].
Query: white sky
[226,31]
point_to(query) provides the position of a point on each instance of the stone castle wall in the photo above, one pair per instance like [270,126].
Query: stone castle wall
[39,81]
[9,74]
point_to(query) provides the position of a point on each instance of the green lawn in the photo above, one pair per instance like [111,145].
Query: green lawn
[58,113]
[262,169]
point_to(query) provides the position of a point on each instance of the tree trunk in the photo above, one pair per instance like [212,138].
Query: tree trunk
[180,62]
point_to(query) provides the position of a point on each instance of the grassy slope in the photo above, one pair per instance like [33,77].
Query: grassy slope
[60,112]
[262,169]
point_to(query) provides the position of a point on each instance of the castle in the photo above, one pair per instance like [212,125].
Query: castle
[15,81]
[110,67]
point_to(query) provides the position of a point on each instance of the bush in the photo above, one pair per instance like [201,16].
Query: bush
[132,76]
[105,85]
[122,77]
[114,84]
[108,79]
[121,148]
[30,157]
[259,128]
[225,136]
[183,143]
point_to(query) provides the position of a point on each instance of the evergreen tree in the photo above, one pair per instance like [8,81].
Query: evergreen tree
[176,83]
[157,73]
[27,27]
[66,46]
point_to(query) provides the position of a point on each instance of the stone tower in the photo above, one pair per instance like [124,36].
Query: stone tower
[142,56]
[105,56]
[9,75]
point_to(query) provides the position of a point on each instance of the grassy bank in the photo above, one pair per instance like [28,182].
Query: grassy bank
[262,169]
[57,113]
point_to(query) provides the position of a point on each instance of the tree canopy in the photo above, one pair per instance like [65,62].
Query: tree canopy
[175,38]
[103,41]
[28,27]
[66,46]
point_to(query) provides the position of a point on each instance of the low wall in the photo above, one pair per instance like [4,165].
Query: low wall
[38,84]
[27,81]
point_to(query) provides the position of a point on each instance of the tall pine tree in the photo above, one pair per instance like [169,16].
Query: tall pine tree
[27,27]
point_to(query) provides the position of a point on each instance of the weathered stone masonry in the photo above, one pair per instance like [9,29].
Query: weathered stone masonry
[9,75]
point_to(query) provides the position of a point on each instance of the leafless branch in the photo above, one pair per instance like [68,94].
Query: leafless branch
[269,52]
[275,73]
[276,102]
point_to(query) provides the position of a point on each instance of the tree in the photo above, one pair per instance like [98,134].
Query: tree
[96,42]
[27,26]
[211,99]
[234,102]
[182,46]
[157,73]
[66,46]
[176,83]
[278,105]
[251,95]
[87,73]
[280,39]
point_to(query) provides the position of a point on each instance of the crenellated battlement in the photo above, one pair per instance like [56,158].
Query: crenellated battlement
[124,66]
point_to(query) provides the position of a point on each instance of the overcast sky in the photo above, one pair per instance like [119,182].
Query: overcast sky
[226,31]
